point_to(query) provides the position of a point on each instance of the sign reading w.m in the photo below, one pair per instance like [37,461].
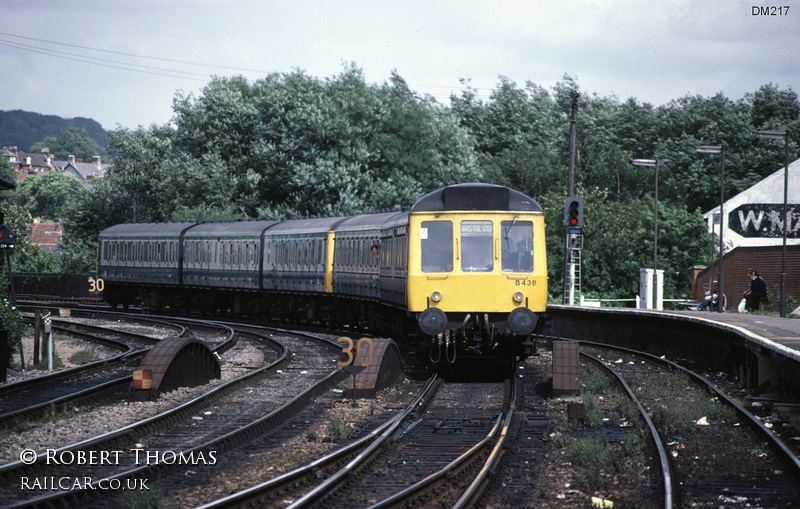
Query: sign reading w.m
[764,220]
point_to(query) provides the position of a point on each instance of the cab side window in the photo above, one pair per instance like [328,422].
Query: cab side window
[436,244]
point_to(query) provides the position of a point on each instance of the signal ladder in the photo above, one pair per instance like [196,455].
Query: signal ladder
[572,286]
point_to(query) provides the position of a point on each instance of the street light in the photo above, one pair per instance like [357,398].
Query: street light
[777,135]
[653,163]
[718,149]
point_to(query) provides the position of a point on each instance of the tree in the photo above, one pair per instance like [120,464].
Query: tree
[618,241]
[8,179]
[516,133]
[71,141]
[293,145]
[773,109]
[27,256]
[45,196]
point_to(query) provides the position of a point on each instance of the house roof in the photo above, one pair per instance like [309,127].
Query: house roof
[83,170]
[46,234]
[35,160]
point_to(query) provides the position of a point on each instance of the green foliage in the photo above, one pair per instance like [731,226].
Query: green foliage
[293,145]
[151,498]
[338,431]
[8,180]
[83,356]
[45,196]
[12,323]
[618,241]
[71,141]
[26,256]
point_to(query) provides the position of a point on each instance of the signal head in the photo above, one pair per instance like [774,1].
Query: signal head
[573,212]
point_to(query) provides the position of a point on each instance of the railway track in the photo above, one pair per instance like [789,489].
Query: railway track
[711,451]
[682,473]
[33,397]
[212,424]
[414,453]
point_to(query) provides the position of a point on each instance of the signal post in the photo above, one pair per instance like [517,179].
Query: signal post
[573,226]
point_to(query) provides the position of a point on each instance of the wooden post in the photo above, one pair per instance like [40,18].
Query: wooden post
[37,334]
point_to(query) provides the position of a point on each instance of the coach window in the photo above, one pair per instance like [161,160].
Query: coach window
[476,246]
[436,244]
[516,241]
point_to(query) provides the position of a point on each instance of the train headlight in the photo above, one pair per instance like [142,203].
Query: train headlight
[518,297]
[436,296]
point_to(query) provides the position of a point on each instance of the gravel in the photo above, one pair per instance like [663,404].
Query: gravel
[82,424]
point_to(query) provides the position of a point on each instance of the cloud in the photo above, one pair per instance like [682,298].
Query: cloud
[653,51]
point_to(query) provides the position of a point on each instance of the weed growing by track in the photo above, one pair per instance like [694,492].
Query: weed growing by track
[603,457]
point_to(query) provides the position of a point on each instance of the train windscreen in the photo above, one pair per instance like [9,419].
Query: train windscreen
[476,246]
[517,246]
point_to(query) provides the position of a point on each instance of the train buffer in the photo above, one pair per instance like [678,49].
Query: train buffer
[375,365]
[174,363]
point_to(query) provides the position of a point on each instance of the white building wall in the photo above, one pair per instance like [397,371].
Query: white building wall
[754,217]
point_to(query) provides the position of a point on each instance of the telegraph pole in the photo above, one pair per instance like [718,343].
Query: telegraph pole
[572,142]
[570,236]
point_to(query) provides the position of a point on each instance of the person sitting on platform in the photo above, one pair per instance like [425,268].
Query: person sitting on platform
[711,302]
[711,297]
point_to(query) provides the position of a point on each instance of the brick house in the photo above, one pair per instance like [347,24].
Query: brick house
[29,164]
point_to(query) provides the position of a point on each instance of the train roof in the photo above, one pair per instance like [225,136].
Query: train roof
[146,230]
[229,228]
[315,225]
[475,197]
[371,221]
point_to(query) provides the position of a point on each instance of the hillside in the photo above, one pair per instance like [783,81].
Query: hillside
[24,128]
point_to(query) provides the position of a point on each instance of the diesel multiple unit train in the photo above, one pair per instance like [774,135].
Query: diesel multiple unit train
[463,270]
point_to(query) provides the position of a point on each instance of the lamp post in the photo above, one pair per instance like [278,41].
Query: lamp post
[777,135]
[718,149]
[653,163]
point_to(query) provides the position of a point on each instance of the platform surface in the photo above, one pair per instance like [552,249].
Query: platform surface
[785,331]
[773,332]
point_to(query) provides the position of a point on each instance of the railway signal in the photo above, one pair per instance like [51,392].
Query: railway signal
[8,238]
[573,212]
[573,224]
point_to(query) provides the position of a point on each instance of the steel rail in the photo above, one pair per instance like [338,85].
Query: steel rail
[161,419]
[479,483]
[248,431]
[16,415]
[364,456]
[156,470]
[476,489]
[663,458]
[70,327]
[261,490]
[774,440]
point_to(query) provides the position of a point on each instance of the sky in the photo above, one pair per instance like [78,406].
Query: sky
[122,62]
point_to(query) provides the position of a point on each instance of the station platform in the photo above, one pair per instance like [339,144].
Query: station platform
[756,348]
[763,329]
